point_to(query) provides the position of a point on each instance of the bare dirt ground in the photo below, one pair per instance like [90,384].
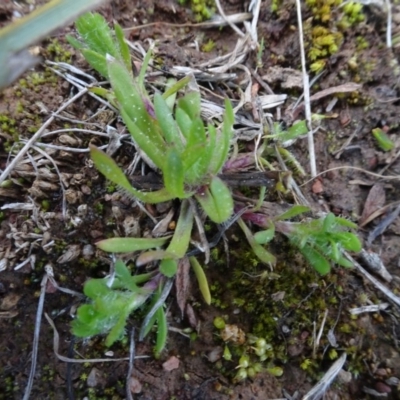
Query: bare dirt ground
[287,309]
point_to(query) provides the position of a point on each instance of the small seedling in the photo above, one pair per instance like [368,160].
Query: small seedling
[320,241]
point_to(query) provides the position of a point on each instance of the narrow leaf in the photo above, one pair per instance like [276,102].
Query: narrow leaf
[96,61]
[293,212]
[180,241]
[201,279]
[167,123]
[143,128]
[264,255]
[128,245]
[162,332]
[143,69]
[383,140]
[328,224]
[149,142]
[123,47]
[107,166]
[223,139]
[118,330]
[172,90]
[174,174]
[190,103]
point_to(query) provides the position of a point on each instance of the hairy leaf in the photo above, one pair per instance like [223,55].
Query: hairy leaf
[316,259]
[174,174]
[167,123]
[216,201]
[107,166]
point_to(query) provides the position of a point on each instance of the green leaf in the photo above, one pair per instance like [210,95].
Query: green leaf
[349,241]
[162,332]
[216,201]
[153,319]
[383,139]
[345,222]
[264,255]
[117,331]
[264,237]
[172,90]
[189,158]
[143,69]
[124,279]
[105,94]
[223,140]
[197,137]
[197,133]
[123,47]
[143,128]
[94,288]
[96,61]
[329,223]
[129,245]
[107,166]
[293,212]
[86,314]
[150,141]
[167,123]
[95,32]
[74,42]
[184,122]
[190,103]
[168,267]
[86,322]
[181,238]
[344,262]
[174,174]
[316,259]
[296,130]
[201,279]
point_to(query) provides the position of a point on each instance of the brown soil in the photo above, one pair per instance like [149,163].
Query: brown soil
[373,338]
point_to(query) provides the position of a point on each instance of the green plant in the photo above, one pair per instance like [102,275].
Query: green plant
[172,137]
[321,241]
[191,158]
[189,154]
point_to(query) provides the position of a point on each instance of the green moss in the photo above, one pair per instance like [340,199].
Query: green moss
[292,297]
[57,51]
[325,31]
[202,9]
[208,47]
